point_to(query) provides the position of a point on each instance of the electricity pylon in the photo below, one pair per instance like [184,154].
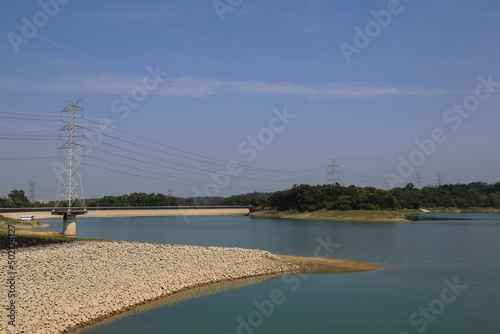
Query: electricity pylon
[333,172]
[70,180]
[32,192]
[388,180]
[70,186]
[439,182]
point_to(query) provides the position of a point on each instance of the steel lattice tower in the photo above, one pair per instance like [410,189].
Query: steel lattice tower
[333,172]
[32,192]
[388,180]
[70,180]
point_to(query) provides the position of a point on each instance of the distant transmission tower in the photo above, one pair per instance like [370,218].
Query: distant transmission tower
[70,181]
[388,180]
[419,181]
[333,172]
[439,183]
[170,192]
[32,192]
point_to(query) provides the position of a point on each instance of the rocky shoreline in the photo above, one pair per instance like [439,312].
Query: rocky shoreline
[61,287]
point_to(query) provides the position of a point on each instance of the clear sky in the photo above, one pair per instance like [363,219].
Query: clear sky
[410,87]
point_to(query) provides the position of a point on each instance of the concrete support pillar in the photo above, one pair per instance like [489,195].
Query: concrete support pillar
[69,225]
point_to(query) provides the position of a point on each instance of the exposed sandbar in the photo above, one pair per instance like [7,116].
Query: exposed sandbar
[359,216]
[323,265]
[70,285]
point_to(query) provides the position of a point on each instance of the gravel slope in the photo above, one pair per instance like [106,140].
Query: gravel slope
[64,286]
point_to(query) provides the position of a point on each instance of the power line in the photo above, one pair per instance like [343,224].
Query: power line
[356,180]
[157,150]
[29,139]
[358,174]
[25,135]
[28,158]
[29,114]
[201,183]
[220,162]
[146,171]
[152,157]
[199,173]
[213,160]
[152,141]
[167,181]
[32,119]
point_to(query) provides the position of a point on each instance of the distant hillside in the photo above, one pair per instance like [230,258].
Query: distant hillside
[143,199]
[335,197]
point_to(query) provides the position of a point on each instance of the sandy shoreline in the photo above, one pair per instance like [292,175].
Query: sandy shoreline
[311,216]
[66,286]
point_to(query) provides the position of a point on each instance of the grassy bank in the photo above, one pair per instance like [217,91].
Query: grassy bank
[379,216]
[27,238]
[468,210]
[21,224]
[49,235]
[27,234]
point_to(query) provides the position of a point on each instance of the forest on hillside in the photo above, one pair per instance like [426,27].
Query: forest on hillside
[335,197]
[311,198]
[143,199]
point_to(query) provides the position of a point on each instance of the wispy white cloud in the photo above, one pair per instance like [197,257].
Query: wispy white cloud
[56,44]
[188,86]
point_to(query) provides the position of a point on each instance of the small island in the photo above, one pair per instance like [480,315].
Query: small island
[369,204]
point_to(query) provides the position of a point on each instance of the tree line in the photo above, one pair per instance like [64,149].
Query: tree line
[153,199]
[18,199]
[311,198]
[335,197]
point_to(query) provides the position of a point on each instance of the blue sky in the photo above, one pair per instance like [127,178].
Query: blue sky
[225,78]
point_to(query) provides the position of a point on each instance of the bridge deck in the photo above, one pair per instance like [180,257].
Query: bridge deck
[100,208]
[69,211]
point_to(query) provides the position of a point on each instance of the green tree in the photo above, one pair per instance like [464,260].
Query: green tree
[4,202]
[18,199]
[494,201]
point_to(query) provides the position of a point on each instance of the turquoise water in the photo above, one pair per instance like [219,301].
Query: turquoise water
[420,259]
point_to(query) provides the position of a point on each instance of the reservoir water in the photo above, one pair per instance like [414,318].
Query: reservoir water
[440,275]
